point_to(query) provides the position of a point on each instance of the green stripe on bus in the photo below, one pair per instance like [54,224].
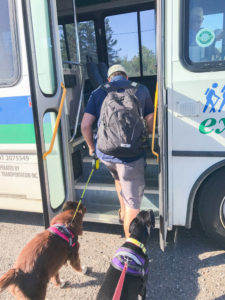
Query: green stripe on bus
[17,133]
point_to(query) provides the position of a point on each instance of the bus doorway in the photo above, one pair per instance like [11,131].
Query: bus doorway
[108,33]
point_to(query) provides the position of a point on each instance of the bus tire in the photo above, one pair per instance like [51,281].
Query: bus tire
[211,207]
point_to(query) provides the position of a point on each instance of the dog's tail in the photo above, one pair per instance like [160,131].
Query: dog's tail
[7,279]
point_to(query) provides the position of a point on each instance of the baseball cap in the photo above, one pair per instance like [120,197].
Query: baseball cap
[116,68]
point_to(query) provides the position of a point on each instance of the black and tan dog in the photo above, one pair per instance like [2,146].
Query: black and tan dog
[132,252]
[41,259]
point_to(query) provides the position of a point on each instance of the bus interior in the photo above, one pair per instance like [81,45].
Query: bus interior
[109,32]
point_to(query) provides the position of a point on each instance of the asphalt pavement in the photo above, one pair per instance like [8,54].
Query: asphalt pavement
[191,268]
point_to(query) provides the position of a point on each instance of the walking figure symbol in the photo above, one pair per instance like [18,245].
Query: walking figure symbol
[223,102]
[212,98]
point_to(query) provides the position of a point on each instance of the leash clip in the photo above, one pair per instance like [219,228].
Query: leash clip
[127,260]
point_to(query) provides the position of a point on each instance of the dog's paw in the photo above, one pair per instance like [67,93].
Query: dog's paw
[86,270]
[64,284]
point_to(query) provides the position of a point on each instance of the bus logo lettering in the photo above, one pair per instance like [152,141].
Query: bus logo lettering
[206,126]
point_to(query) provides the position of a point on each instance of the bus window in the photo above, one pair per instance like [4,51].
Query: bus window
[9,59]
[87,40]
[122,42]
[205,37]
[54,162]
[43,46]
[130,41]
[64,51]
[147,19]
[67,43]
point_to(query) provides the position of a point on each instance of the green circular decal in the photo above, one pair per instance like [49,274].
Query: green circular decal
[205,37]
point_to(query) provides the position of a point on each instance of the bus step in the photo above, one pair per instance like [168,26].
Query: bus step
[102,198]
[107,214]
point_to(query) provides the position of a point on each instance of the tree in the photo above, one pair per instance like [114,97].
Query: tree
[87,41]
[133,65]
[88,47]
[148,61]
[62,43]
[111,43]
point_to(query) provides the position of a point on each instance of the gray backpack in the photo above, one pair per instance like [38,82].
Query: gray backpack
[121,131]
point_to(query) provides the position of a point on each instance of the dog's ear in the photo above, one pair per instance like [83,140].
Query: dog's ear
[82,210]
[152,218]
[148,217]
[68,205]
[133,224]
[71,205]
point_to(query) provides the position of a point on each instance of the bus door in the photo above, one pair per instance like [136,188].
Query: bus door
[45,73]
[162,121]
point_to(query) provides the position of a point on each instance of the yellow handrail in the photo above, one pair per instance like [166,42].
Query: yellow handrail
[154,122]
[56,122]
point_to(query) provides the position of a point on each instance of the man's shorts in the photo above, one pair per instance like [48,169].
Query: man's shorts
[131,177]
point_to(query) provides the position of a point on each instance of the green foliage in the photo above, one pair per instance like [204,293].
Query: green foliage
[111,43]
[62,43]
[87,40]
[133,65]
[149,61]
[88,47]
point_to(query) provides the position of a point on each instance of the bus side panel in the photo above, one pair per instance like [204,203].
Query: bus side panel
[193,128]
[19,175]
[186,171]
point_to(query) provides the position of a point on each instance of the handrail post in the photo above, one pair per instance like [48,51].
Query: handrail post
[56,122]
[154,122]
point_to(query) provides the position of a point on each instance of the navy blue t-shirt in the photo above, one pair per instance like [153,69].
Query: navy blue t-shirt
[94,105]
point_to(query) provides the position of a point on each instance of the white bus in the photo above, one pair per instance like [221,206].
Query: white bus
[48,46]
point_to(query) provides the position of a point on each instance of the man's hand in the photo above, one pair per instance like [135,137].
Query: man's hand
[91,151]
[149,122]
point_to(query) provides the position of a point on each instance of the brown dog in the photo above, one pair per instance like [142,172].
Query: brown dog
[41,259]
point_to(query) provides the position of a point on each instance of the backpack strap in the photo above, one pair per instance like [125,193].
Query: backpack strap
[107,87]
[134,84]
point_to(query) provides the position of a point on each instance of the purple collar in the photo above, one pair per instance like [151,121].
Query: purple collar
[63,232]
[137,265]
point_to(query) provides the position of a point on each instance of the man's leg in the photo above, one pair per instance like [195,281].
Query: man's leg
[131,179]
[130,214]
[122,205]
[112,169]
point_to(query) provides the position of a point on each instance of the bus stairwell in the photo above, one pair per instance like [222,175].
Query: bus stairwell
[96,55]
[101,198]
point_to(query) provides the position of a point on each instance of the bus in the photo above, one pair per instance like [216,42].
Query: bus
[53,54]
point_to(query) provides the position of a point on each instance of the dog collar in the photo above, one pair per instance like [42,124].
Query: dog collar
[137,243]
[63,232]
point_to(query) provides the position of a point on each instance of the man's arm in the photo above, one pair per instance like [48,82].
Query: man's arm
[87,132]
[149,122]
